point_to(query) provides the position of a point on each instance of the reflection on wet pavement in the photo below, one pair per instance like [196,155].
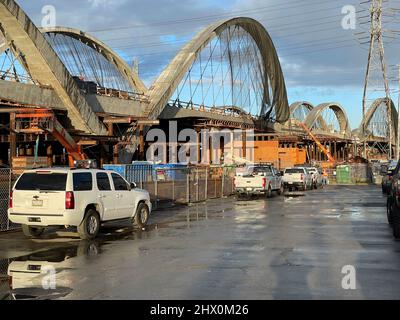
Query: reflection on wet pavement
[291,247]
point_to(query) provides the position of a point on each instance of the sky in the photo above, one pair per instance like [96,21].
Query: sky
[321,60]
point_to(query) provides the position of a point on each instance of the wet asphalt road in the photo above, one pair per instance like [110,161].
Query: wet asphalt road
[280,248]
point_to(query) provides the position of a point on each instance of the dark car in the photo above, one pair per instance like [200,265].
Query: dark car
[393,202]
[387,176]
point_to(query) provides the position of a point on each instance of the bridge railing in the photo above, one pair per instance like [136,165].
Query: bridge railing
[227,110]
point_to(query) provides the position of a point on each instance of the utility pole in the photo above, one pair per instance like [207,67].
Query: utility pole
[376,60]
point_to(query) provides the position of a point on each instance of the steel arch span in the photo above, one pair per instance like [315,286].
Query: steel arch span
[45,67]
[274,95]
[315,117]
[109,54]
[375,121]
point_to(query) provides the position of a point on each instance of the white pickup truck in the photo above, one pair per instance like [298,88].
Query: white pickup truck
[259,180]
[297,178]
[316,177]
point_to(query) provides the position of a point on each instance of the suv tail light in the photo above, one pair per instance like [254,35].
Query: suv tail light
[234,182]
[10,204]
[69,200]
[264,182]
[302,177]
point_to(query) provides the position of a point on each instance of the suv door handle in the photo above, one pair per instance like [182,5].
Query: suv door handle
[101,196]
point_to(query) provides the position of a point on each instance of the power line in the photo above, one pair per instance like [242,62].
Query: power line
[151,44]
[208,17]
[156,44]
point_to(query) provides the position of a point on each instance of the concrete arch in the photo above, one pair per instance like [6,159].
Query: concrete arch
[370,113]
[3,44]
[340,113]
[296,105]
[106,51]
[46,68]
[164,87]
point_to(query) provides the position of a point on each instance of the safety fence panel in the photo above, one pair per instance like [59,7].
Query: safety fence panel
[185,185]
[6,181]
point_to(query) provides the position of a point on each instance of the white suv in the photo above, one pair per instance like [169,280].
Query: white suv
[83,198]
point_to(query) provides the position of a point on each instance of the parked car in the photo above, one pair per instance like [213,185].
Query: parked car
[316,177]
[297,178]
[393,203]
[83,198]
[387,176]
[259,180]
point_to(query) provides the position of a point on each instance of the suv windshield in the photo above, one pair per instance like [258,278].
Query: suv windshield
[294,170]
[46,182]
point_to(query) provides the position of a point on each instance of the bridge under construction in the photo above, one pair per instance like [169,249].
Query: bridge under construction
[65,95]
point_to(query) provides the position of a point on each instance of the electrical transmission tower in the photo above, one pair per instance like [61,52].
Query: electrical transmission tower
[376,75]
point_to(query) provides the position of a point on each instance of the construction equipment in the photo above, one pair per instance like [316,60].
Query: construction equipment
[39,121]
[319,144]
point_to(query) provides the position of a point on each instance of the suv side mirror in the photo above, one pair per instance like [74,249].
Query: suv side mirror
[133,185]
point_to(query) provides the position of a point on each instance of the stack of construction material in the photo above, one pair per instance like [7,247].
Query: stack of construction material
[19,164]
[361,173]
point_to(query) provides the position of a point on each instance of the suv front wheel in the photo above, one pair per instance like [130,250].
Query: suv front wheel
[142,216]
[89,227]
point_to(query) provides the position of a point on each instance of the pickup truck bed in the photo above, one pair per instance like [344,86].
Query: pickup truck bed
[261,181]
[296,178]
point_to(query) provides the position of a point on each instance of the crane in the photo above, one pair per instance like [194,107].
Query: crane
[319,144]
[44,120]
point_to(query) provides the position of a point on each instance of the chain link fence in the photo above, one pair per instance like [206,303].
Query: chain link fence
[6,181]
[184,185]
[167,186]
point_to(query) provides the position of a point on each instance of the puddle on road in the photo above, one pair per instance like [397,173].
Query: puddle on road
[26,271]
[27,285]
[292,195]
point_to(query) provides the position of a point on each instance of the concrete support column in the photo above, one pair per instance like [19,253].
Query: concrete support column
[244,144]
[335,154]
[141,143]
[116,154]
[198,132]
[13,139]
